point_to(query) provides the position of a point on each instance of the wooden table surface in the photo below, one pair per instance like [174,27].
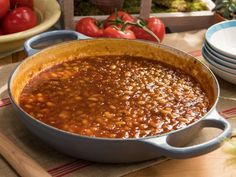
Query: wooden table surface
[214,164]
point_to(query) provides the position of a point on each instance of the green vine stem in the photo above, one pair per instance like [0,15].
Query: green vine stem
[141,24]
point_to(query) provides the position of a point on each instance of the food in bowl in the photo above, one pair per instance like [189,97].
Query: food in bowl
[20,19]
[114,97]
[171,144]
[48,13]
[19,16]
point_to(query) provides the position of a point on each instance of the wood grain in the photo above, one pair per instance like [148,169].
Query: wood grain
[145,8]
[19,56]
[68,13]
[214,164]
[21,162]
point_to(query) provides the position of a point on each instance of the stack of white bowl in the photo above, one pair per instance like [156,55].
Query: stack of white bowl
[219,50]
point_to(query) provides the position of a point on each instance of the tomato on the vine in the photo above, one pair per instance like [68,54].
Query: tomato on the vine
[155,25]
[4,7]
[117,32]
[22,3]
[117,18]
[20,19]
[89,26]
[122,25]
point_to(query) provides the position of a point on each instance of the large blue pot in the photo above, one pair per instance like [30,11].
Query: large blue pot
[118,150]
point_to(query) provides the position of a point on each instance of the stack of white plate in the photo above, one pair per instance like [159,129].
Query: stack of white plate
[219,49]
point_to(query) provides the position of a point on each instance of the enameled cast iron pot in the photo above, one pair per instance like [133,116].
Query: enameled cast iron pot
[118,150]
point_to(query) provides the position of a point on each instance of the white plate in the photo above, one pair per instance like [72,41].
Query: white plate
[215,53]
[222,37]
[221,67]
[222,74]
[218,60]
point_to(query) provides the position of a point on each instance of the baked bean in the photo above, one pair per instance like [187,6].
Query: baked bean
[92,99]
[112,107]
[50,104]
[28,106]
[114,97]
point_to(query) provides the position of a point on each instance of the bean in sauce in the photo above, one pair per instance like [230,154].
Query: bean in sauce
[114,97]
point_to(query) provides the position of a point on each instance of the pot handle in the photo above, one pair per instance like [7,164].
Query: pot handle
[50,36]
[163,143]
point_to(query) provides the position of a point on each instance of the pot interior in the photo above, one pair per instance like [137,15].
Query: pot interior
[98,47]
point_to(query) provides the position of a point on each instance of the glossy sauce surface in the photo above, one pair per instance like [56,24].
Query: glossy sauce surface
[114,97]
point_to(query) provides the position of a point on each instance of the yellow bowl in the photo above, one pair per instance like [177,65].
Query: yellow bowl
[48,12]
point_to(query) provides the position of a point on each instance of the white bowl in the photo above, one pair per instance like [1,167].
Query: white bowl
[222,74]
[219,66]
[215,53]
[222,37]
[217,59]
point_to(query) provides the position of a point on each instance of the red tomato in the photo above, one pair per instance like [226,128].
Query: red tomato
[89,26]
[20,19]
[22,3]
[155,25]
[122,17]
[4,7]
[116,32]
[1,33]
